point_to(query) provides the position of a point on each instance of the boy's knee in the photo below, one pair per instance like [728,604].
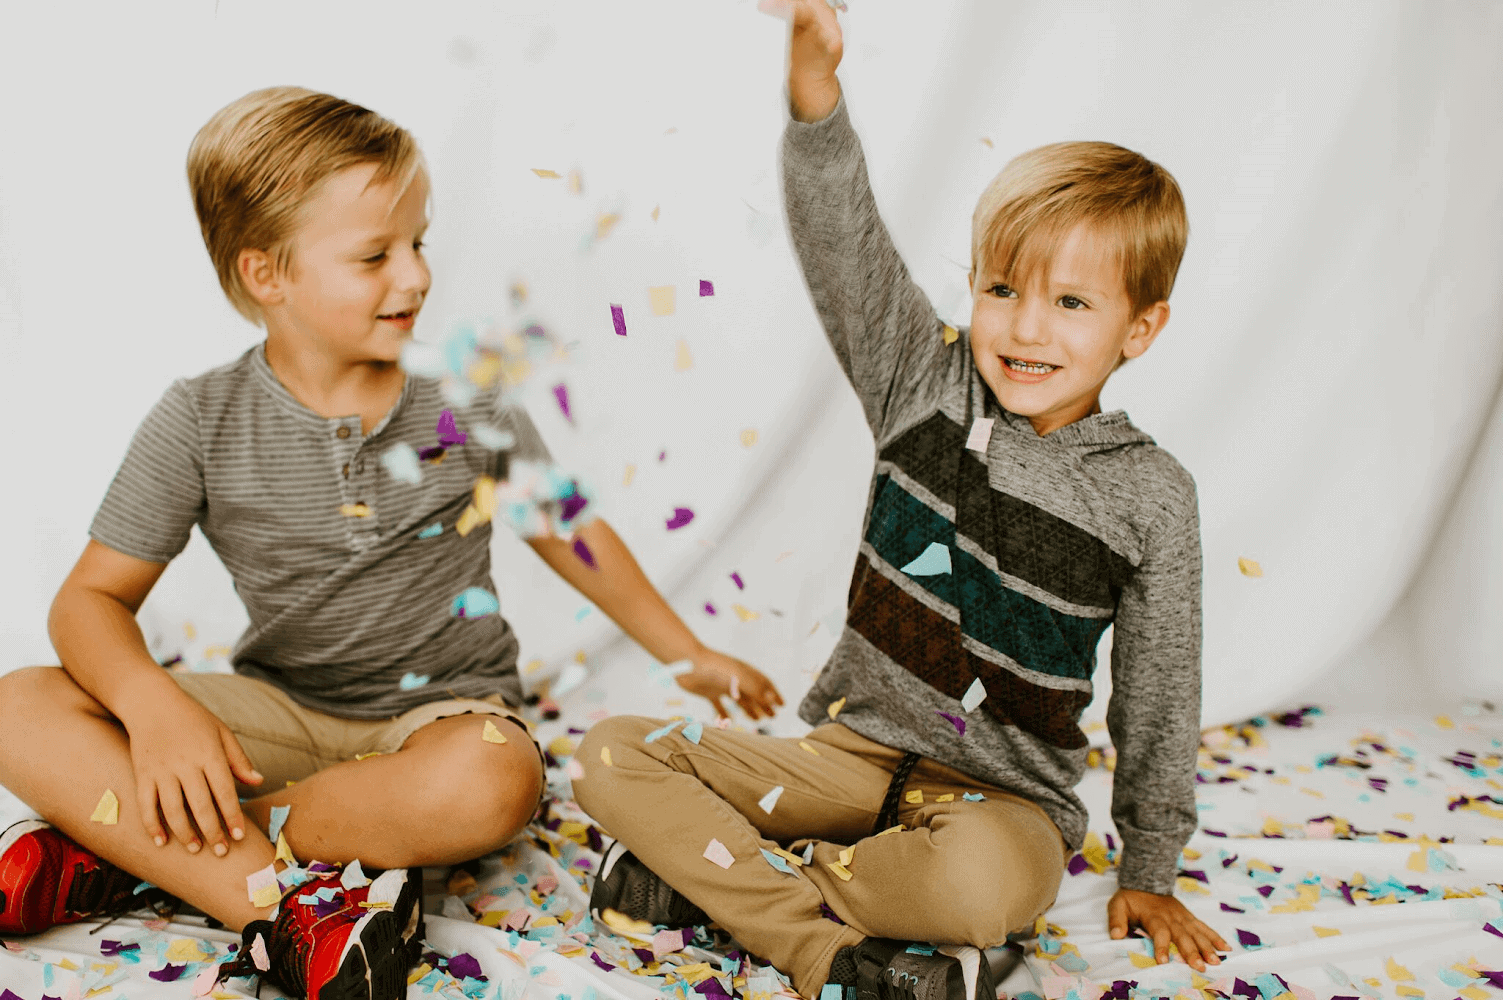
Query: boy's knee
[614,735]
[33,691]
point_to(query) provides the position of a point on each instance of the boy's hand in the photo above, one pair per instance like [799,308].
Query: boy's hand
[1166,921]
[185,762]
[814,52]
[716,675]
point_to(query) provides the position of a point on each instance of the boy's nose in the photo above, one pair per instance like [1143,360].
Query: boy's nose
[1030,322]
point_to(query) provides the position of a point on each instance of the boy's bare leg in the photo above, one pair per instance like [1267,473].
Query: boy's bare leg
[61,749]
[447,796]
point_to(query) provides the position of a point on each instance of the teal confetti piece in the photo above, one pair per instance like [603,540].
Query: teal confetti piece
[278,817]
[433,530]
[693,731]
[658,734]
[779,863]
[974,797]
[933,561]
[411,681]
[401,462]
[476,602]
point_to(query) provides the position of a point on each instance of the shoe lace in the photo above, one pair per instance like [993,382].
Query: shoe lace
[289,949]
[110,892]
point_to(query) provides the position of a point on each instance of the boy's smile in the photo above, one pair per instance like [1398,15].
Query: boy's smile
[1046,345]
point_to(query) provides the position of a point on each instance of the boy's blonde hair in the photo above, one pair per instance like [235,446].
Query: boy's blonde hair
[1042,194]
[255,165]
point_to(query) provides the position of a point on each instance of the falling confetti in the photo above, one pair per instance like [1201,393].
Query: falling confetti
[1249,567]
[618,319]
[411,681]
[981,434]
[681,517]
[736,579]
[682,361]
[548,175]
[706,288]
[748,438]
[663,299]
[955,721]
[401,461]
[834,707]
[951,334]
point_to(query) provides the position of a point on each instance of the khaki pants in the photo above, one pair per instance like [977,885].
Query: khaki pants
[959,873]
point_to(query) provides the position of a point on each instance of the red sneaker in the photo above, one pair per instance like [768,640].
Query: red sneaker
[47,879]
[338,949]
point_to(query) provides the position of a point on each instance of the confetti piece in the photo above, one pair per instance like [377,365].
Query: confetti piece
[933,561]
[278,820]
[1249,567]
[432,531]
[770,800]
[583,552]
[779,863]
[744,613]
[809,853]
[1141,960]
[655,210]
[1324,931]
[809,748]
[710,609]
[915,797]
[1444,722]
[561,393]
[947,797]
[449,436]
[693,731]
[475,602]
[681,517]
[717,853]
[387,887]
[618,319]
[840,870]
[411,681]
[485,496]
[658,734]
[951,334]
[631,471]
[284,850]
[706,288]
[834,707]
[493,735]
[108,809]
[576,182]
[548,175]
[401,462]
[605,756]
[981,434]
[683,361]
[353,877]
[495,440]
[955,721]
[1397,972]
[262,889]
[663,299]
[974,695]
[974,797]
[355,510]
[468,521]
[748,437]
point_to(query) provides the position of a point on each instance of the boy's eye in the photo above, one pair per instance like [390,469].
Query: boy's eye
[376,259]
[1002,291]
[1071,302]
[418,245]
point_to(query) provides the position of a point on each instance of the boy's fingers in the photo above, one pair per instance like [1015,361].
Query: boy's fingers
[1116,917]
[240,765]
[223,788]
[170,796]
[146,802]
[205,814]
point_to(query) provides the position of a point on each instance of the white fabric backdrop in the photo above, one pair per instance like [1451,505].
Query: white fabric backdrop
[1334,357]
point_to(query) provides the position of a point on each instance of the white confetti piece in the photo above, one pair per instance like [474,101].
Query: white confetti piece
[974,695]
[770,800]
[981,434]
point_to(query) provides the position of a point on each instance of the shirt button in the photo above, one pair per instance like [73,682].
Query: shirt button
[342,433]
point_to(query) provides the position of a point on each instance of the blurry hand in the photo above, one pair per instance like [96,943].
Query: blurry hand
[716,676]
[814,50]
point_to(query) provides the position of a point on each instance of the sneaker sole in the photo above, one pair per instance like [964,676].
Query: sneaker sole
[382,949]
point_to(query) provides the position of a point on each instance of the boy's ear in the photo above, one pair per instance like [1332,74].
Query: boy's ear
[1145,329]
[258,273]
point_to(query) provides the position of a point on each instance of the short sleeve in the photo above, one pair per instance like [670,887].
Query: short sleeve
[157,496]
[529,447]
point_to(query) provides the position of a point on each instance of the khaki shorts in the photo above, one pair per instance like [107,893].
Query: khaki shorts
[287,741]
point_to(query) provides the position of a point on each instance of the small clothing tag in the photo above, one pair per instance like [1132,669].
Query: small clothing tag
[981,434]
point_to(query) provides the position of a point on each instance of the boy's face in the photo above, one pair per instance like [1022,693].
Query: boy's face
[1076,321]
[358,277]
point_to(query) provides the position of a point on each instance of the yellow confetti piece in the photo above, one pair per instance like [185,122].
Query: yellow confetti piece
[605,756]
[663,299]
[1409,991]
[834,707]
[355,510]
[485,371]
[1397,972]
[284,850]
[183,950]
[372,753]
[468,521]
[792,859]
[108,810]
[892,829]
[987,143]
[1190,885]
[631,471]
[547,175]
[1308,896]
[848,855]
[809,748]
[840,870]
[576,182]
[1249,567]
[748,437]
[744,613]
[1324,931]
[1444,722]
[485,497]
[605,224]
[419,973]
[1040,926]
[222,995]
[683,361]
[1473,993]
[915,797]
[493,735]
[947,797]
[1404,816]
[1374,982]
[655,209]
[1141,960]
[951,334]
[561,746]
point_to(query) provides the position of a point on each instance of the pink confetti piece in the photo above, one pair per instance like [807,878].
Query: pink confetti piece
[736,579]
[662,456]
[583,551]
[681,517]
[955,721]
[719,854]
[706,288]
[618,319]
[561,393]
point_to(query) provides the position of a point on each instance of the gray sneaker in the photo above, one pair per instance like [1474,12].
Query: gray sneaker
[629,887]
[884,969]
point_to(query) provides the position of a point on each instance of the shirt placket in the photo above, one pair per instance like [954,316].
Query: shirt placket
[356,474]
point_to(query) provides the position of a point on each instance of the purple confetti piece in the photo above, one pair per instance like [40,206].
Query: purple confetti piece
[662,456]
[711,988]
[618,319]
[561,393]
[1077,864]
[583,551]
[706,288]
[1245,989]
[571,505]
[736,579]
[681,517]
[8,995]
[710,609]
[1492,930]
[115,947]
[1195,874]
[644,954]
[1228,908]
[429,454]
[1266,890]
[595,957]
[829,914]
[1248,939]
[955,721]
[464,965]
[328,907]
[168,973]
[322,866]
[448,435]
[1496,978]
